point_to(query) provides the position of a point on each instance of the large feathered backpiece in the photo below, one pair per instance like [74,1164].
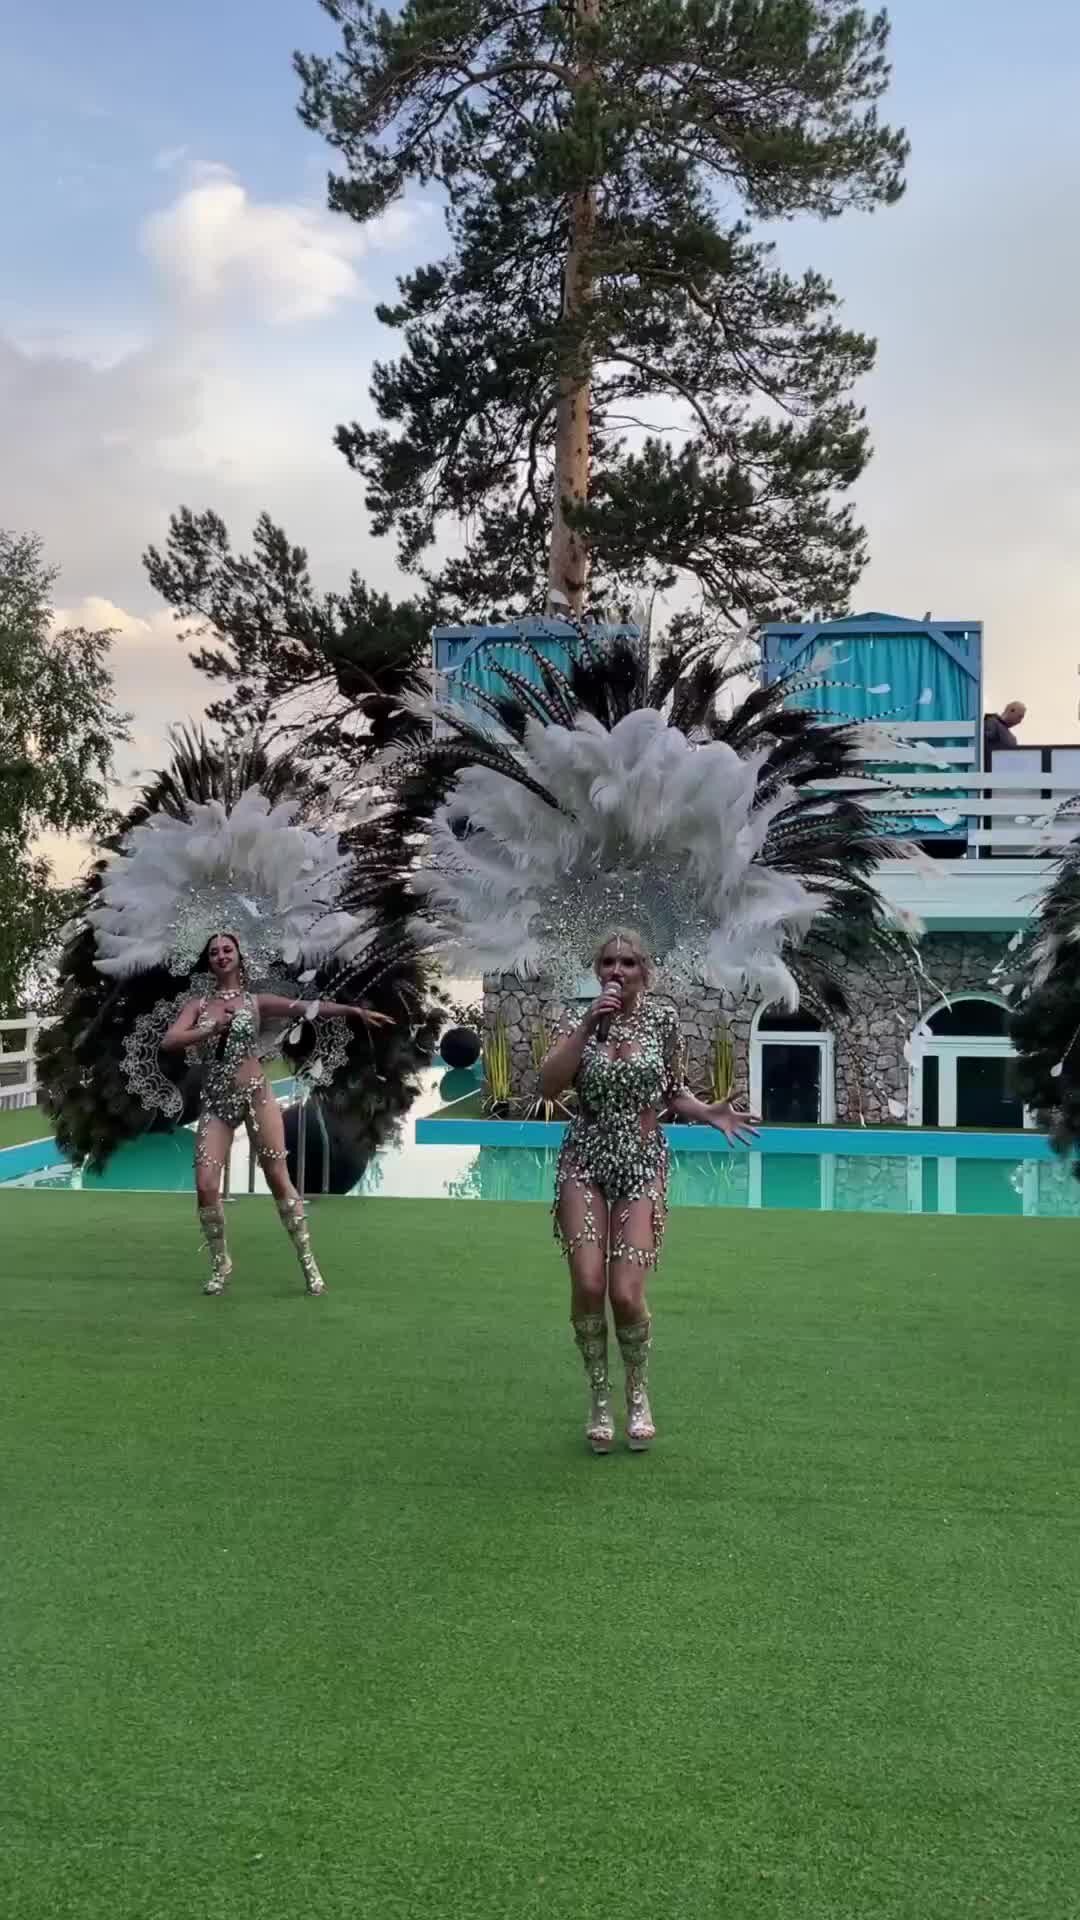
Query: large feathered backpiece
[539,816]
[225,839]
[1045,1027]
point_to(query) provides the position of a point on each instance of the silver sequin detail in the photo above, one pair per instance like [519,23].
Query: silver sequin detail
[615,1144]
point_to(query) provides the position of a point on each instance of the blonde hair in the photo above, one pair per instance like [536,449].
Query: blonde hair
[626,937]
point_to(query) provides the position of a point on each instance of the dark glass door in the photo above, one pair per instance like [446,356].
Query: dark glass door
[790,1083]
[983,1098]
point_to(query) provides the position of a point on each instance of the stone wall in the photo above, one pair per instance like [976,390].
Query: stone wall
[871,1067]
[527,1007]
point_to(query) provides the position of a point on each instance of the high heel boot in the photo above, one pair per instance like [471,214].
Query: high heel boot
[291,1213]
[212,1222]
[635,1343]
[590,1333]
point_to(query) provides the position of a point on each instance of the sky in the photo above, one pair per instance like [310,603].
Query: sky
[182,322]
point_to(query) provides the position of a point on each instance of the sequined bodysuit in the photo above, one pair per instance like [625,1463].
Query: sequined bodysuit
[614,1145]
[235,1088]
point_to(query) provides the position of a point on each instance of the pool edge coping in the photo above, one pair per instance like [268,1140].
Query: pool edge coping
[886,1142]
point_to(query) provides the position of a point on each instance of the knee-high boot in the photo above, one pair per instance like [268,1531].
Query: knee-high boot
[291,1213]
[635,1344]
[591,1335]
[212,1222]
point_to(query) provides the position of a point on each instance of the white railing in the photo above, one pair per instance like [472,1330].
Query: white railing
[18,1064]
[1013,807]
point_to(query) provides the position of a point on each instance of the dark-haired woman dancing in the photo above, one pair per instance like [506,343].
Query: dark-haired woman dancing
[222,1030]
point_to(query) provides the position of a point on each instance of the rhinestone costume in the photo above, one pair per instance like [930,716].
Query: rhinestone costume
[235,1087]
[614,1145]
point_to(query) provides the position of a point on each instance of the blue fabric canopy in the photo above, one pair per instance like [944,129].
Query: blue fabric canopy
[880,668]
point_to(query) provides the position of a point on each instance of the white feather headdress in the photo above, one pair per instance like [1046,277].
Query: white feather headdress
[254,872]
[650,832]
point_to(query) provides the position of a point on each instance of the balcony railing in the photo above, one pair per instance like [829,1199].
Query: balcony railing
[18,1066]
[929,780]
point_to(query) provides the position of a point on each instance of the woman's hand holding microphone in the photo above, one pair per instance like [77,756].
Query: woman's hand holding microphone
[603,1011]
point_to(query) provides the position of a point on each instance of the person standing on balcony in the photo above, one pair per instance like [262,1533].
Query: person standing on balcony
[998,728]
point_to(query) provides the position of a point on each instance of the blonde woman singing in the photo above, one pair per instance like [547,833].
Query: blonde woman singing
[624,1060]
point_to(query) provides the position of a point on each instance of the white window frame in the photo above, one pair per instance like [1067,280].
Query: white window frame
[948,1052]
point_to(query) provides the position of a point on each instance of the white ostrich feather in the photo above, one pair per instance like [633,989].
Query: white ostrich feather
[650,832]
[254,872]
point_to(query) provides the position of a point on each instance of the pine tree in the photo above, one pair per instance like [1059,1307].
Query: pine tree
[605,166]
[323,672]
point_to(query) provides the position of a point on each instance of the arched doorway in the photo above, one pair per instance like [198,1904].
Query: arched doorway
[959,1076]
[792,1069]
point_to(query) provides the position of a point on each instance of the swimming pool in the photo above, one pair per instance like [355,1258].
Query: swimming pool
[839,1170]
[823,1182]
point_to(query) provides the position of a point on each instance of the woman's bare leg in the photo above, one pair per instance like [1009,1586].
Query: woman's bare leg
[634,1234]
[582,1216]
[267,1130]
[213,1144]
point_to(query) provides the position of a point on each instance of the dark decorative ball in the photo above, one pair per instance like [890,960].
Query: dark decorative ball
[460,1047]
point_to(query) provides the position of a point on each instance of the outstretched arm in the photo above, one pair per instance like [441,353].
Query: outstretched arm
[276,1007]
[737,1127]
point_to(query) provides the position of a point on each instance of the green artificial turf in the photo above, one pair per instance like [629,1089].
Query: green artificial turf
[313,1609]
[23,1123]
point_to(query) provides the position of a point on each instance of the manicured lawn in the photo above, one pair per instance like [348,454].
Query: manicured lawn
[23,1123]
[318,1610]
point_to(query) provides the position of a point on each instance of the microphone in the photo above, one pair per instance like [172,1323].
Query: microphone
[603,1027]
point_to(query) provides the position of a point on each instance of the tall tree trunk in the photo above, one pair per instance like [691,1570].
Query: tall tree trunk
[568,566]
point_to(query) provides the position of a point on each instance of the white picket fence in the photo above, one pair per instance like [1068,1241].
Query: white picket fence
[18,1061]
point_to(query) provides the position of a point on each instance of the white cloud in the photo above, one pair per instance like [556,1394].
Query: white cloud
[87,455]
[153,676]
[156,683]
[289,262]
[260,346]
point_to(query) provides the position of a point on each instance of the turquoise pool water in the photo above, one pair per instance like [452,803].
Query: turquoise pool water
[841,1183]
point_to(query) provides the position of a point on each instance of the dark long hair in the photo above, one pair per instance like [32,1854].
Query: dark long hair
[202,964]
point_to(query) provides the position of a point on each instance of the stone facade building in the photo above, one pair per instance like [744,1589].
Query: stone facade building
[865,1063]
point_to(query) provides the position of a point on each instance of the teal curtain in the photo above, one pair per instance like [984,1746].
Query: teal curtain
[894,679]
[478,669]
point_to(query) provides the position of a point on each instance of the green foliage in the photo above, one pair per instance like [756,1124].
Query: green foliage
[721,1081]
[541,1037]
[58,730]
[683,123]
[498,1077]
[1045,1029]
[33,914]
[283,649]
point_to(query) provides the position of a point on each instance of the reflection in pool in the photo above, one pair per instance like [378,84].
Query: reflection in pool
[840,1183]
